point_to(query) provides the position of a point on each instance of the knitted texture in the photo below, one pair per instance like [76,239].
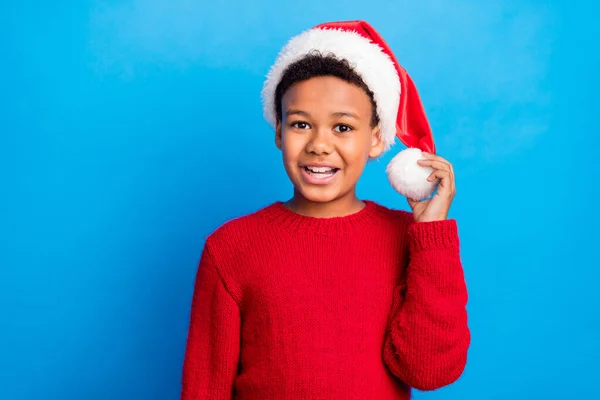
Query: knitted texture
[365,306]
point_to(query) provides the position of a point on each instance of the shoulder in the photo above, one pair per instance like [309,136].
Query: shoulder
[393,215]
[238,232]
[233,245]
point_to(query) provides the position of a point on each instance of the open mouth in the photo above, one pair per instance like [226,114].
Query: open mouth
[320,172]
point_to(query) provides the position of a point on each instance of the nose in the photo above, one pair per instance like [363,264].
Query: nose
[320,142]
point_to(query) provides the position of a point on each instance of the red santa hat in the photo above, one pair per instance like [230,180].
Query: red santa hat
[399,107]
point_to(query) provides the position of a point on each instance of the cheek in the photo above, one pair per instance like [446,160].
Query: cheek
[291,147]
[355,152]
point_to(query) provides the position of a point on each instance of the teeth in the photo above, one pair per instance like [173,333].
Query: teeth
[320,170]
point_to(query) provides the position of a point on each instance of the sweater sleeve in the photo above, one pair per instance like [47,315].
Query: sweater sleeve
[427,337]
[212,349]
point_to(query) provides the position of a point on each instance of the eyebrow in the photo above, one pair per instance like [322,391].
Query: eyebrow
[292,111]
[346,114]
[336,115]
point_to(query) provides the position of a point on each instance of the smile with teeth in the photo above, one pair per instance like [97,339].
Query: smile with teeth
[320,172]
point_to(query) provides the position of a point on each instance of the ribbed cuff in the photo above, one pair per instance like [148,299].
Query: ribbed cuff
[433,235]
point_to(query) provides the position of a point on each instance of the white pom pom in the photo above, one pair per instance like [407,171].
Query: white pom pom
[409,178]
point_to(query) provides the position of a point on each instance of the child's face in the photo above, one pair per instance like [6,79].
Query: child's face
[326,137]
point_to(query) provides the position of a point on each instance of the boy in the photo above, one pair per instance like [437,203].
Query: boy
[327,296]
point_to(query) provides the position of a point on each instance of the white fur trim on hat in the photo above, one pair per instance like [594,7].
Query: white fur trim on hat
[374,66]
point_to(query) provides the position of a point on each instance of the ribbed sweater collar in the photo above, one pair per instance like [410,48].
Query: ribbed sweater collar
[280,217]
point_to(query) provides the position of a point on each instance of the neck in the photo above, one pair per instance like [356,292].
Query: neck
[340,207]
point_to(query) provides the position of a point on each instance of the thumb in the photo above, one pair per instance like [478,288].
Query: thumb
[412,203]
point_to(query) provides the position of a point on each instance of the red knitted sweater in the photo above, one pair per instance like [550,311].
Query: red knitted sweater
[364,306]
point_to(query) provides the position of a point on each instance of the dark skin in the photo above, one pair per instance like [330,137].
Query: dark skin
[327,121]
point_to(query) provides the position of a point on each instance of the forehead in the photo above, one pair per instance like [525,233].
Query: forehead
[327,92]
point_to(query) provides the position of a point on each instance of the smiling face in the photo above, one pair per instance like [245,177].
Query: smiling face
[326,136]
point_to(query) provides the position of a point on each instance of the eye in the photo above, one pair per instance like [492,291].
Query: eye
[341,128]
[300,125]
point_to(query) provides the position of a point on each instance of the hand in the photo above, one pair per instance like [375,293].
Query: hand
[436,208]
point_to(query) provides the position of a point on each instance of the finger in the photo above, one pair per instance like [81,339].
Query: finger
[431,156]
[418,205]
[435,164]
[450,179]
[445,186]
[411,202]
[438,174]
[439,163]
[414,202]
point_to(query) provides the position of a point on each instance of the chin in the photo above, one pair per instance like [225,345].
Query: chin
[320,195]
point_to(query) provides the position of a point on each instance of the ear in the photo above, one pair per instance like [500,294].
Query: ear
[278,135]
[377,144]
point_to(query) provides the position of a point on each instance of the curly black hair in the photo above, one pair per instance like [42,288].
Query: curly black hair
[316,64]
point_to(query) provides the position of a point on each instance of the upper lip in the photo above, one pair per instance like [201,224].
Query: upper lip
[326,165]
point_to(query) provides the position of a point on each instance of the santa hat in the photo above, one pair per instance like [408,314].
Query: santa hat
[399,107]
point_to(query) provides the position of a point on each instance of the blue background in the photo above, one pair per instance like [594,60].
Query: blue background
[130,130]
